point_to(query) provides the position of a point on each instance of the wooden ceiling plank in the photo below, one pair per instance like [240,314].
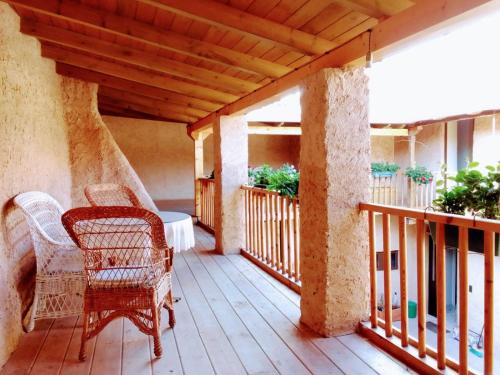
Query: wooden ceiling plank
[106,109]
[149,34]
[154,103]
[146,77]
[230,18]
[424,15]
[135,87]
[136,57]
[146,109]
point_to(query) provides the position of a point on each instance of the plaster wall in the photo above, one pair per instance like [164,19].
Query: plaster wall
[382,148]
[53,141]
[274,150]
[485,148]
[161,153]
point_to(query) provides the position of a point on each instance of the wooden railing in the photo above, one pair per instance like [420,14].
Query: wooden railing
[442,222]
[272,233]
[399,190]
[207,194]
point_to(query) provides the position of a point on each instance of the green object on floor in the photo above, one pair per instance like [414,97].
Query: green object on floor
[412,309]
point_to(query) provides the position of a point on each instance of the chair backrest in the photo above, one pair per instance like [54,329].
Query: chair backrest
[43,214]
[123,246]
[111,195]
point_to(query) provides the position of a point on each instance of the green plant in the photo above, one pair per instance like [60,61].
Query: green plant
[260,175]
[474,191]
[285,181]
[384,167]
[420,174]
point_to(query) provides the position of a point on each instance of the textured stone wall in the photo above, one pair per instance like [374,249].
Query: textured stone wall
[53,140]
[335,167]
[161,153]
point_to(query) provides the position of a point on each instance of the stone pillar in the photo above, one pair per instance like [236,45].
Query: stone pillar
[199,138]
[335,168]
[231,171]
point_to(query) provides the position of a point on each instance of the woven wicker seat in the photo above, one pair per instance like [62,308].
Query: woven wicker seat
[127,267]
[59,262]
[111,195]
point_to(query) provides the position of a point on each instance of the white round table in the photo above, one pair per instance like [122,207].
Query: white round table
[178,230]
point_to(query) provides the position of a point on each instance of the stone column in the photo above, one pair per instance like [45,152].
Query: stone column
[230,164]
[199,138]
[335,167]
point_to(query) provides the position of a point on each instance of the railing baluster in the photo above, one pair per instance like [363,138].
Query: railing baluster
[296,238]
[268,228]
[278,233]
[463,253]
[441,296]
[283,235]
[421,300]
[387,274]
[373,269]
[263,198]
[403,283]
[289,237]
[272,219]
[259,227]
[489,303]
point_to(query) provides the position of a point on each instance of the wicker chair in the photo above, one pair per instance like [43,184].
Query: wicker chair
[111,195]
[127,267]
[59,263]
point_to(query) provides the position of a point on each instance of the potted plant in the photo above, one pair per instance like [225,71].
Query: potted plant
[285,181]
[474,193]
[384,169]
[419,174]
[259,176]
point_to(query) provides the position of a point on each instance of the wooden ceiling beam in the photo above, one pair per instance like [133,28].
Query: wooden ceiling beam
[229,18]
[137,57]
[424,15]
[368,8]
[109,110]
[75,58]
[135,87]
[145,109]
[153,103]
[149,34]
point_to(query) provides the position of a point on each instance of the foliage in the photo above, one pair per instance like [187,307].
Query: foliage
[285,181]
[420,174]
[474,191]
[260,175]
[384,167]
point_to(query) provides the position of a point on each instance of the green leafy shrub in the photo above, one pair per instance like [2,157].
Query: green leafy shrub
[285,181]
[384,168]
[419,174]
[260,175]
[474,191]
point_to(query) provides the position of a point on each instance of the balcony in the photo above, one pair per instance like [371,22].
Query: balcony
[232,318]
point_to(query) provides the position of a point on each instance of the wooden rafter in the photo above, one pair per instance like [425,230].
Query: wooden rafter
[75,58]
[137,57]
[229,18]
[168,115]
[425,14]
[135,87]
[110,110]
[154,103]
[145,33]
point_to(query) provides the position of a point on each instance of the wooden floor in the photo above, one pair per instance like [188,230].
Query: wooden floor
[232,319]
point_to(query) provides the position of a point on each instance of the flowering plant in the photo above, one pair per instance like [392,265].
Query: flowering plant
[420,174]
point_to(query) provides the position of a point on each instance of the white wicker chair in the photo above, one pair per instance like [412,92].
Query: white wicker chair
[59,262]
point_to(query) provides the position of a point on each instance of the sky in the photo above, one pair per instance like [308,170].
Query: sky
[450,74]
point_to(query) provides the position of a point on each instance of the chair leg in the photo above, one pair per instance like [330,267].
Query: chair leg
[29,319]
[82,356]
[156,331]
[169,304]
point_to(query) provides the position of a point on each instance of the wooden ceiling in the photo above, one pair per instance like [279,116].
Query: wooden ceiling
[180,60]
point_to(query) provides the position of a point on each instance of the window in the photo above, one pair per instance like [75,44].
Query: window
[394,260]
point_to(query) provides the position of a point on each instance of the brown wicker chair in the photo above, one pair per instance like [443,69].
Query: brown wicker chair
[111,195]
[127,267]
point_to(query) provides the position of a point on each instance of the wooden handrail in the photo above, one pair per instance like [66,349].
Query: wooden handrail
[207,198]
[272,232]
[441,220]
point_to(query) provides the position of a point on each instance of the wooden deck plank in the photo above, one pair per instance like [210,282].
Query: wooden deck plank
[295,338]
[108,350]
[72,365]
[250,353]
[192,352]
[53,351]
[23,358]
[277,351]
[136,359]
[219,349]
